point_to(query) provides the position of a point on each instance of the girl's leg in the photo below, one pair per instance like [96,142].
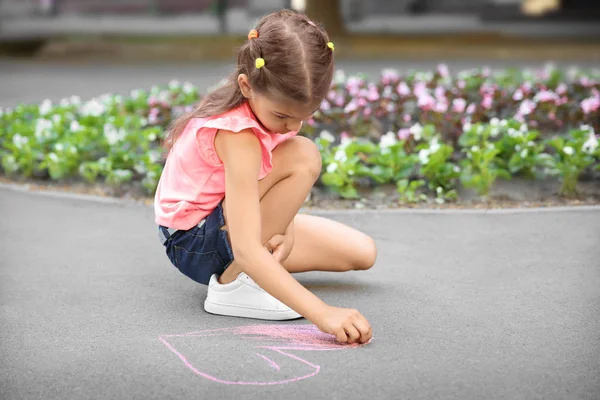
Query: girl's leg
[321,244]
[333,247]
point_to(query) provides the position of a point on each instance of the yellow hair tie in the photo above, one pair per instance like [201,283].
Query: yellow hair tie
[331,46]
[260,62]
[253,34]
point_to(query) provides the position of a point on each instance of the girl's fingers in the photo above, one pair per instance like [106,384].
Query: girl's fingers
[364,329]
[278,253]
[274,242]
[341,336]
[352,333]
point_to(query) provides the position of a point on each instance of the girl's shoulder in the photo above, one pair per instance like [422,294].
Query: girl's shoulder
[234,120]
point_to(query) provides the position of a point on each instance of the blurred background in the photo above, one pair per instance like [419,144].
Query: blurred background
[34,23]
[44,43]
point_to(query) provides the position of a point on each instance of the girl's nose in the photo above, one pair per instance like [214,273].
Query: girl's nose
[294,125]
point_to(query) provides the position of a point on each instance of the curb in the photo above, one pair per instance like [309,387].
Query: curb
[316,211]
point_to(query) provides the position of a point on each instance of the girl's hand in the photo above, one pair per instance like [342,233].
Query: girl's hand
[280,246]
[347,325]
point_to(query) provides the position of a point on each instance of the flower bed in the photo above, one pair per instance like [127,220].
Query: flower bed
[427,133]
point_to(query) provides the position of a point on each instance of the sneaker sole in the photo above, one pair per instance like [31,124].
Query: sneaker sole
[233,311]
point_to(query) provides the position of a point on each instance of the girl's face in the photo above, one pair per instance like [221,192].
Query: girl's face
[277,116]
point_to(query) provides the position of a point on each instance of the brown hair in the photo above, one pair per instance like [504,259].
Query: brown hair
[298,66]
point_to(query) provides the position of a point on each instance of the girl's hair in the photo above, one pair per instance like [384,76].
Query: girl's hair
[298,65]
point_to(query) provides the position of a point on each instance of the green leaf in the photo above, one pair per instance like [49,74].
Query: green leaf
[379,174]
[402,185]
[119,176]
[504,174]
[349,192]
[451,195]
[467,140]
[557,143]
[416,184]
[332,179]
[546,160]
[9,164]
[90,171]
[467,180]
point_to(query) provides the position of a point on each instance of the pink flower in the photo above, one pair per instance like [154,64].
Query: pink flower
[403,89]
[420,88]
[552,116]
[461,84]
[344,135]
[353,85]
[339,100]
[362,102]
[373,94]
[590,105]
[586,82]
[388,76]
[441,107]
[527,106]
[154,112]
[406,118]
[325,106]
[403,133]
[426,102]
[352,106]
[311,122]
[471,109]
[487,102]
[561,88]
[440,93]
[546,95]
[367,112]
[458,105]
[526,87]
[331,95]
[443,70]
[152,101]
[518,95]
[486,89]
[486,71]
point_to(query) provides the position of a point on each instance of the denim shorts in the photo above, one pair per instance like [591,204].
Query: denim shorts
[202,250]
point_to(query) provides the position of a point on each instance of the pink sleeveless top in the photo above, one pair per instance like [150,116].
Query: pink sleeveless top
[192,183]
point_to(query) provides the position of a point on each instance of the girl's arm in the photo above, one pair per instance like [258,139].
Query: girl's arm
[242,157]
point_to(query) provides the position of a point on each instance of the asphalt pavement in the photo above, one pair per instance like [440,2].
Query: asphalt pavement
[463,304]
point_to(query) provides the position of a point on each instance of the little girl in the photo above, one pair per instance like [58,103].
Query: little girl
[237,174]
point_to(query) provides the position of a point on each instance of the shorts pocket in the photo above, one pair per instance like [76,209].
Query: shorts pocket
[198,266]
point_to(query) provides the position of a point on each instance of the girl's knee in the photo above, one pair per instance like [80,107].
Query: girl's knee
[303,155]
[367,254]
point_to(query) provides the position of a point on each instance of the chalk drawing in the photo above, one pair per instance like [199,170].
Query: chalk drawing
[230,356]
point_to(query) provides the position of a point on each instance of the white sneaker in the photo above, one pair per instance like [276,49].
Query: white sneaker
[244,298]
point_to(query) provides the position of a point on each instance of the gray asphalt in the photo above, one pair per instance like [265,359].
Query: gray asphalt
[32,82]
[463,306]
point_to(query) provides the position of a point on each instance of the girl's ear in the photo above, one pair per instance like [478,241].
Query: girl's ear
[245,87]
